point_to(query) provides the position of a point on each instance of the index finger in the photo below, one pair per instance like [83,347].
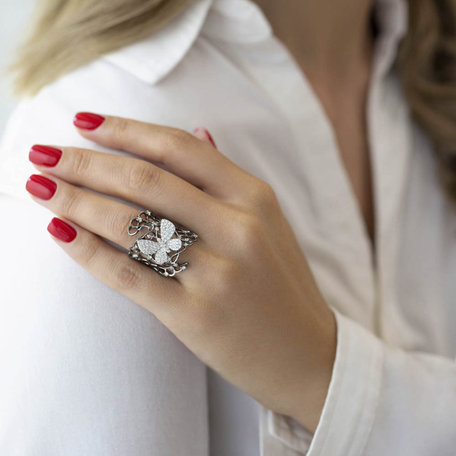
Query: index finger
[179,151]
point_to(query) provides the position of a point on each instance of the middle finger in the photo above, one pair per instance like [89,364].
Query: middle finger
[133,180]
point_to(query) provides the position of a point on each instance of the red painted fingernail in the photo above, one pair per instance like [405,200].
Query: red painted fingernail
[41,186]
[61,230]
[88,120]
[209,137]
[44,155]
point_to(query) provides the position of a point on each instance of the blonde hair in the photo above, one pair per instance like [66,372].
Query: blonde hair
[67,34]
[427,66]
[70,33]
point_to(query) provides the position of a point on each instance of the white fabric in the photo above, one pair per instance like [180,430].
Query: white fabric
[86,371]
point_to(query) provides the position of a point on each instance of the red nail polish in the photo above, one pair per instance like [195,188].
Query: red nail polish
[61,230]
[209,137]
[44,155]
[41,186]
[87,120]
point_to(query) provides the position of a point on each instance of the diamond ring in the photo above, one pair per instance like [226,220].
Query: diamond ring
[161,243]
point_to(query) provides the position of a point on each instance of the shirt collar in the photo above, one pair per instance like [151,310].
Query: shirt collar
[153,58]
[238,21]
[392,19]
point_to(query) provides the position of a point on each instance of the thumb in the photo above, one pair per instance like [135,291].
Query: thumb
[203,134]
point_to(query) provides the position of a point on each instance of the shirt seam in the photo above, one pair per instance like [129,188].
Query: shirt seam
[379,383]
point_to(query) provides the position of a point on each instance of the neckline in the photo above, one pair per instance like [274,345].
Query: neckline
[341,219]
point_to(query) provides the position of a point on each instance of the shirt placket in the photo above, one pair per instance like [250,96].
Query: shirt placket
[337,215]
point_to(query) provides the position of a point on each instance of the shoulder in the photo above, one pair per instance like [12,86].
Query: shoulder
[131,82]
[177,77]
[138,69]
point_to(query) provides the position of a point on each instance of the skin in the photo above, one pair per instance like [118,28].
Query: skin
[248,305]
[332,43]
[257,319]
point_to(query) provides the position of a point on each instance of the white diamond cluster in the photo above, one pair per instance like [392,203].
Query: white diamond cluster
[155,246]
[165,243]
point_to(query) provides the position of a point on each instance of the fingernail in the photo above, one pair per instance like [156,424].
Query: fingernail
[206,132]
[41,186]
[61,230]
[44,155]
[88,120]
[209,137]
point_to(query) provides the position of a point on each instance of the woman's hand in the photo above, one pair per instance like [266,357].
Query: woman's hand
[247,305]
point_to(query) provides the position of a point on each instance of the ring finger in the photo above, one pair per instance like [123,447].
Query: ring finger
[96,213]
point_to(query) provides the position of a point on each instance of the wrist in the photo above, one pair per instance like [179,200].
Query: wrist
[309,406]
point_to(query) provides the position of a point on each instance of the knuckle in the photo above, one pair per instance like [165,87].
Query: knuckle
[115,225]
[81,163]
[227,273]
[178,137]
[87,253]
[264,195]
[247,230]
[120,130]
[143,177]
[266,191]
[127,277]
[173,141]
[226,277]
[71,201]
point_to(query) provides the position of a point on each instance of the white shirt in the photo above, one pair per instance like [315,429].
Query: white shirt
[86,371]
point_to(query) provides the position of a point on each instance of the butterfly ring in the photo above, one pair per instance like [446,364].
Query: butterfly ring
[161,243]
